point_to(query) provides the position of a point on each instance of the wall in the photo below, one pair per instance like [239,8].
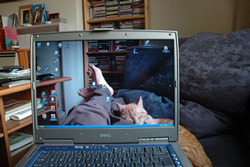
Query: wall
[69,9]
[189,17]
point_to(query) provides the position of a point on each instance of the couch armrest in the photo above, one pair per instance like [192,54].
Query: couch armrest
[182,40]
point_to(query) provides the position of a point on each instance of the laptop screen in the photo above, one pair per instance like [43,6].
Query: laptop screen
[138,70]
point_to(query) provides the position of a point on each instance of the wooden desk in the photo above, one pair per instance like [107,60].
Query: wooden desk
[24,125]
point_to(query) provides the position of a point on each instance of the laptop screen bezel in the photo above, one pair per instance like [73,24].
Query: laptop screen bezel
[116,135]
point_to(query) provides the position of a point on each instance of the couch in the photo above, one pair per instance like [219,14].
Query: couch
[214,89]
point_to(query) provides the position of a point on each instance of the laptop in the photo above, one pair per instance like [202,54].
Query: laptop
[63,58]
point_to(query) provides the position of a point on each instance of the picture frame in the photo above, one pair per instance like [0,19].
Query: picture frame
[53,16]
[25,15]
[39,16]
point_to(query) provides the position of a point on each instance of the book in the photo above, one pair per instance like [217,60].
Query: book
[2,40]
[10,101]
[20,106]
[139,24]
[21,148]
[10,33]
[1,22]
[24,113]
[18,140]
[107,24]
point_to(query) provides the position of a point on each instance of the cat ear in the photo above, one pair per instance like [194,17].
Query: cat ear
[139,101]
[120,108]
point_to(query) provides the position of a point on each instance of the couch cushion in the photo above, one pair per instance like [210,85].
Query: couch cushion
[227,150]
[215,71]
[203,122]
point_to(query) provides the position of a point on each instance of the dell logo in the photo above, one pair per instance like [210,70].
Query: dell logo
[105,135]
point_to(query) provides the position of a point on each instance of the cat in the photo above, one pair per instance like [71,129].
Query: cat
[136,114]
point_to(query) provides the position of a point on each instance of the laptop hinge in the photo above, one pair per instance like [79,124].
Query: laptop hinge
[58,142]
[145,140]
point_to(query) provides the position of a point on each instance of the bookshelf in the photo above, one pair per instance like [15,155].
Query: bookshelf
[113,76]
[88,21]
[24,125]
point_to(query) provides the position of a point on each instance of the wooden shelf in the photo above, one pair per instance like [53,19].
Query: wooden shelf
[6,91]
[116,19]
[42,28]
[13,125]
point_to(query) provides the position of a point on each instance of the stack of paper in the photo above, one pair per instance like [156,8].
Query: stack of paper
[19,140]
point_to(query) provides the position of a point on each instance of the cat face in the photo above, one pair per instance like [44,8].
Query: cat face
[133,112]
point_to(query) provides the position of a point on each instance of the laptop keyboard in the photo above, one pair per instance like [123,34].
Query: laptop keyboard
[115,157]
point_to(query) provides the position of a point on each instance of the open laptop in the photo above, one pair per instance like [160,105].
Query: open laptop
[68,54]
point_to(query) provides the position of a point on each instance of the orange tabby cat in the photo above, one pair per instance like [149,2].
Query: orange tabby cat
[136,114]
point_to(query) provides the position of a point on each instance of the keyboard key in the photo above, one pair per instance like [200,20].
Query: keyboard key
[125,160]
[110,165]
[71,161]
[80,161]
[166,161]
[61,165]
[98,160]
[81,165]
[90,165]
[62,161]
[148,164]
[154,159]
[128,165]
[139,164]
[157,164]
[89,161]
[71,165]
[160,154]
[119,165]
[108,160]
[135,160]
[117,160]
[145,159]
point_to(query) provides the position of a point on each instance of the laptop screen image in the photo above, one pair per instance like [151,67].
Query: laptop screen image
[128,64]
[111,56]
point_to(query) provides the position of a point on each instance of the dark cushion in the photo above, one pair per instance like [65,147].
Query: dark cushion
[203,122]
[227,150]
[139,67]
[162,82]
[215,71]
[156,106]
